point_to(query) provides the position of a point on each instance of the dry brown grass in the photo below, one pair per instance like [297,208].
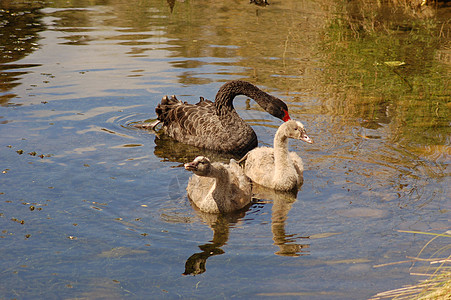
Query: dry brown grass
[438,284]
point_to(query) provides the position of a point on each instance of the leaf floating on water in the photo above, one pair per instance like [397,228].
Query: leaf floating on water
[20,152]
[394,63]
[370,137]
[70,237]
[362,212]
[121,251]
[324,235]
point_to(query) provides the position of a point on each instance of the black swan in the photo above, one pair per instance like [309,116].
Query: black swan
[277,168]
[217,187]
[216,125]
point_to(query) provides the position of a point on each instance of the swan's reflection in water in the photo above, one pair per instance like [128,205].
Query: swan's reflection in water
[170,150]
[282,202]
[220,224]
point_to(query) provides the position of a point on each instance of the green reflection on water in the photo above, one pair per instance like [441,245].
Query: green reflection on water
[388,69]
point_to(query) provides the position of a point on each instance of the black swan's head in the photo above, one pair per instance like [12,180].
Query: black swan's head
[200,166]
[228,91]
[277,108]
[295,130]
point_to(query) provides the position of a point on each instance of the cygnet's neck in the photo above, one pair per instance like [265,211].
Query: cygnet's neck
[281,157]
[219,172]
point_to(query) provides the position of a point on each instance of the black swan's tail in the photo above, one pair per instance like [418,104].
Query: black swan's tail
[165,106]
[163,110]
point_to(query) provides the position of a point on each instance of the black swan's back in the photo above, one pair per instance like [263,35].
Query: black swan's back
[216,125]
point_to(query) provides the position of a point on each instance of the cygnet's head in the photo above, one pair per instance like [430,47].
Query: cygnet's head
[295,130]
[200,166]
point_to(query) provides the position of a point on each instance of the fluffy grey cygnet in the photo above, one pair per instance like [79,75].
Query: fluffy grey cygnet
[217,187]
[277,168]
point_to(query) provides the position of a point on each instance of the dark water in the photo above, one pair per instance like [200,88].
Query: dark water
[91,207]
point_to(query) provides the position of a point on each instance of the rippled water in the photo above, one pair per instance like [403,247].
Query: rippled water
[91,207]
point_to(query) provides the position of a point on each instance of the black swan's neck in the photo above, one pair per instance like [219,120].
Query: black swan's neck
[228,92]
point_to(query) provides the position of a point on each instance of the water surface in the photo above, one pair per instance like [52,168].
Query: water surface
[91,207]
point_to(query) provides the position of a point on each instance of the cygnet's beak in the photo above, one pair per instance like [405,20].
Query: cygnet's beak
[191,166]
[304,137]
